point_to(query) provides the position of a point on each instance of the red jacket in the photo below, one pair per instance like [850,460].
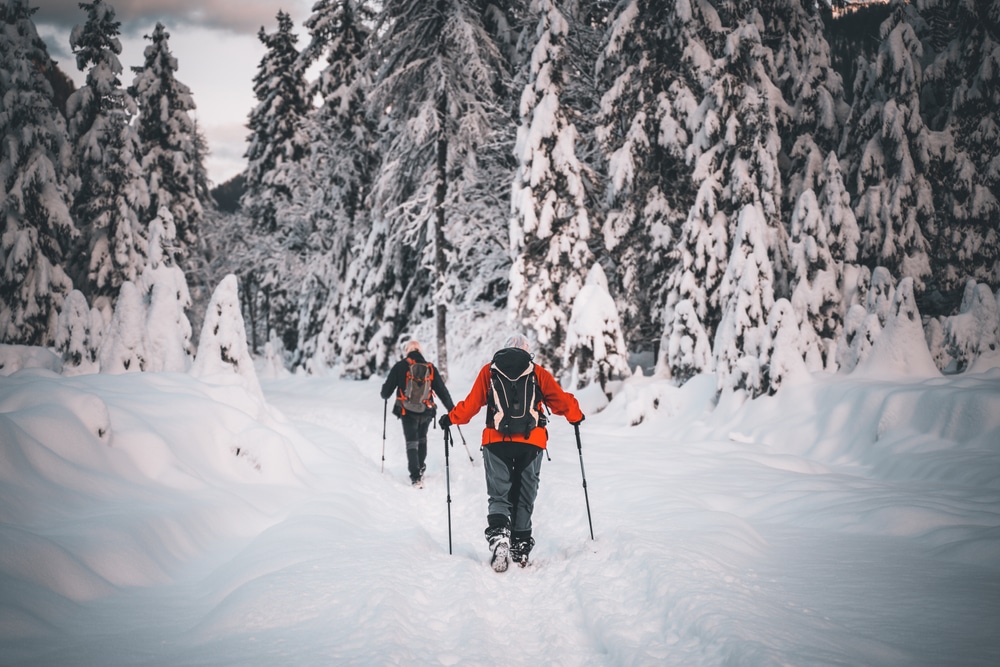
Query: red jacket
[560,402]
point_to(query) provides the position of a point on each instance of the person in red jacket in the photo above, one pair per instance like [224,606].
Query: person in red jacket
[515,392]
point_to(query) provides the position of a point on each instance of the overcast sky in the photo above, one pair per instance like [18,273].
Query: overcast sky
[217,50]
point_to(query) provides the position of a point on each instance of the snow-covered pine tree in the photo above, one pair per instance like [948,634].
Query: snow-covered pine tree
[965,80]
[595,347]
[166,292]
[975,331]
[339,166]
[785,356]
[168,137]
[901,348]
[36,229]
[277,147]
[733,151]
[222,345]
[75,341]
[550,227]
[880,294]
[477,249]
[741,341]
[125,348]
[643,132]
[749,105]
[861,329]
[865,320]
[438,77]
[688,350]
[843,235]
[816,291]
[277,142]
[812,120]
[891,151]
[112,191]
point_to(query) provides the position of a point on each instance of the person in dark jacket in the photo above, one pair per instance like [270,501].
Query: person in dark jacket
[418,417]
[512,460]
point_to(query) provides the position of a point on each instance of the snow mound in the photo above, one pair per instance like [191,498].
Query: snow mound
[15,357]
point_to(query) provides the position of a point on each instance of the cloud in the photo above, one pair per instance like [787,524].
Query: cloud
[137,16]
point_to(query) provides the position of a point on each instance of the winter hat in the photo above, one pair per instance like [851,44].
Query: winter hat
[518,341]
[412,346]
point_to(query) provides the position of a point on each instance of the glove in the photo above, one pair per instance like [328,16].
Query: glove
[445,421]
[578,421]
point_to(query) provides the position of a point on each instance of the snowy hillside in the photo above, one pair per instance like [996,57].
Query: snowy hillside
[158,519]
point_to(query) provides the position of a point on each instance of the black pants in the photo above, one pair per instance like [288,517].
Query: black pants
[415,428]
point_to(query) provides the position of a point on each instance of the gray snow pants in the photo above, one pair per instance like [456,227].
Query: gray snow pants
[512,470]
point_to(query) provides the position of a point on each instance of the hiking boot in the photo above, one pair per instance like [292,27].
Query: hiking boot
[498,536]
[520,547]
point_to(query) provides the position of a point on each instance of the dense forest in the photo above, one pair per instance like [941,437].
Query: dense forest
[746,187]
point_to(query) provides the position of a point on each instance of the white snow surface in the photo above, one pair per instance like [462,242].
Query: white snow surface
[161,519]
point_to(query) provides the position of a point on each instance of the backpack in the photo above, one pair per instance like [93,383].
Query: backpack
[514,398]
[417,397]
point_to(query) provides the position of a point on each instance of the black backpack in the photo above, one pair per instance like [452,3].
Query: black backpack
[417,397]
[514,397]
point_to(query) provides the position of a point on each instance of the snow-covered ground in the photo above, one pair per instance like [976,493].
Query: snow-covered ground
[158,519]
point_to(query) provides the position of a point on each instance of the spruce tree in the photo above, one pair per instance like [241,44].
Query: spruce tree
[785,353]
[816,292]
[166,294]
[891,154]
[595,347]
[975,331]
[276,141]
[643,132]
[551,226]
[733,150]
[36,229]
[76,340]
[277,146]
[339,169]
[438,78]
[742,341]
[125,348]
[168,136]
[964,83]
[222,345]
[112,193]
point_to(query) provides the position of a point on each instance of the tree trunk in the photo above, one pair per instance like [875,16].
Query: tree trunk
[441,191]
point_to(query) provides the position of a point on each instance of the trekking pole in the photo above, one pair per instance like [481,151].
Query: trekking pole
[586,497]
[471,460]
[447,477]
[385,416]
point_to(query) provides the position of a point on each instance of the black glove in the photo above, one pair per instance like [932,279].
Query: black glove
[578,421]
[445,421]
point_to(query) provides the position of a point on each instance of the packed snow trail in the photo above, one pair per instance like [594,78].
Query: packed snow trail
[158,520]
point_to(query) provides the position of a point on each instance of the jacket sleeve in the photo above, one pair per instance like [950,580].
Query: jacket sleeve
[391,382]
[559,401]
[464,411]
[442,391]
